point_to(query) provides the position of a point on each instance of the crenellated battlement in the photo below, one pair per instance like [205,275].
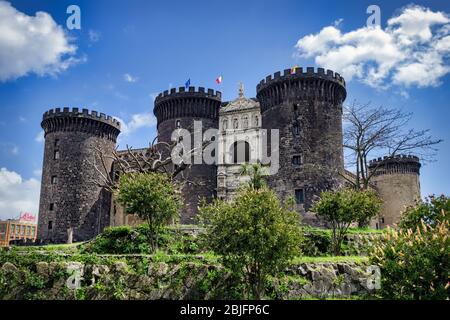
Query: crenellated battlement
[309,72]
[84,113]
[398,164]
[304,84]
[67,119]
[191,91]
[182,103]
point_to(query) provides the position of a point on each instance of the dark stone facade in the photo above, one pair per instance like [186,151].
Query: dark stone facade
[180,108]
[306,107]
[70,198]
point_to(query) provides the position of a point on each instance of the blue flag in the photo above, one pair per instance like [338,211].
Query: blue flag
[187,84]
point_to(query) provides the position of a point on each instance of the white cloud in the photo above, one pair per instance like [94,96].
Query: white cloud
[17,195]
[32,44]
[129,78]
[139,120]
[413,50]
[40,137]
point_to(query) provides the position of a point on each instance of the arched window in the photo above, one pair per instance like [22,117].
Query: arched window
[240,151]
[236,123]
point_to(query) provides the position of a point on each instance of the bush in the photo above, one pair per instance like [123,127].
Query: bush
[415,264]
[344,207]
[153,197]
[255,235]
[432,211]
[134,240]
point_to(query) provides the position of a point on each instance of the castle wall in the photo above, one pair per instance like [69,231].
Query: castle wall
[306,108]
[70,198]
[179,109]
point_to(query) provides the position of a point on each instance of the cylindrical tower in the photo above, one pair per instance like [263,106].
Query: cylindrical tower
[306,108]
[396,180]
[178,109]
[72,207]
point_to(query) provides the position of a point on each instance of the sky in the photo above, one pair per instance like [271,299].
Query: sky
[126,52]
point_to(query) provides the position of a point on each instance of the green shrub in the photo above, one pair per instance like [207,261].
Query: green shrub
[432,211]
[255,235]
[415,264]
[154,197]
[344,207]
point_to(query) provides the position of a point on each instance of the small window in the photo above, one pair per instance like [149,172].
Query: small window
[56,155]
[297,160]
[178,124]
[296,129]
[51,207]
[295,106]
[382,220]
[56,142]
[54,179]
[50,225]
[299,196]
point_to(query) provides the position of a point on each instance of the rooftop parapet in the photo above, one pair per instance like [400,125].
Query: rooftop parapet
[399,164]
[301,73]
[396,159]
[81,113]
[190,92]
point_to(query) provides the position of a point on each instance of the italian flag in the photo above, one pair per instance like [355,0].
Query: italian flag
[219,79]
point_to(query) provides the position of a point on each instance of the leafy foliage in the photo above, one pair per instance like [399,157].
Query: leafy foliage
[134,240]
[344,207]
[432,211]
[415,263]
[255,235]
[256,172]
[153,197]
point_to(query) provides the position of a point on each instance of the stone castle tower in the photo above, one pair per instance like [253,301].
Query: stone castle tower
[71,206]
[396,180]
[178,109]
[306,107]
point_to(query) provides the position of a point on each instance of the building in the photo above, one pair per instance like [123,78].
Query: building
[17,230]
[239,141]
[303,106]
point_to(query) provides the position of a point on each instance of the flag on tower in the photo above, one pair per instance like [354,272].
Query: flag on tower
[294,68]
[219,79]
[187,84]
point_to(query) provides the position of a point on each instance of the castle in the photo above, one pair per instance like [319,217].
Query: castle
[304,105]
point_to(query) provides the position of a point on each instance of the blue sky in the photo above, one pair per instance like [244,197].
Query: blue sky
[128,51]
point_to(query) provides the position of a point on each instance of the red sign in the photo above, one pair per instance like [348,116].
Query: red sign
[26,216]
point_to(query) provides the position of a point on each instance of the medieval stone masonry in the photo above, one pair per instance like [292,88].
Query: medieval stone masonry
[305,105]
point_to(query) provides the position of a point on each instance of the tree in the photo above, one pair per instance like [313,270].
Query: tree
[153,197]
[255,235]
[256,172]
[371,132]
[431,212]
[344,207]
